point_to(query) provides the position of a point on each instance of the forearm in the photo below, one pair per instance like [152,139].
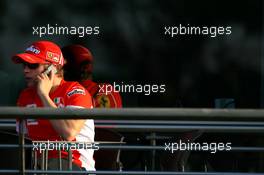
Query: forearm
[46,101]
[68,129]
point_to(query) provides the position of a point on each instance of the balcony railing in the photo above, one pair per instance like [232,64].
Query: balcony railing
[140,120]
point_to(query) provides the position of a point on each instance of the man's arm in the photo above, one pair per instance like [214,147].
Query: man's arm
[68,129]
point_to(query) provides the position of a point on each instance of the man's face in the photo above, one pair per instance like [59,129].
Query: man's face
[31,71]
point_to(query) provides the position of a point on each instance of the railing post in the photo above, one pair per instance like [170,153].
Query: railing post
[153,143]
[21,146]
[60,163]
[70,159]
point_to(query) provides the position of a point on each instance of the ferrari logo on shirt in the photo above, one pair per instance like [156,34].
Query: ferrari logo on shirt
[103,101]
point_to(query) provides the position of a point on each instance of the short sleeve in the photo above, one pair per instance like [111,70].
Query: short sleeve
[78,97]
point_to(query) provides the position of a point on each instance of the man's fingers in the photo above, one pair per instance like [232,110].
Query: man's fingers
[44,76]
[41,75]
[38,78]
[52,75]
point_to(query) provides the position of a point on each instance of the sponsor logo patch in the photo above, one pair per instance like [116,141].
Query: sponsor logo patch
[33,49]
[59,102]
[76,91]
[52,57]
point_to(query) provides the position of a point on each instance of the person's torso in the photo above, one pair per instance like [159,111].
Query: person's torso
[67,94]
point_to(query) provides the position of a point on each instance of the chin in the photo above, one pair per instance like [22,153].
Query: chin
[30,84]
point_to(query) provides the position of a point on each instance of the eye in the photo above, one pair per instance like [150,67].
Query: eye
[31,66]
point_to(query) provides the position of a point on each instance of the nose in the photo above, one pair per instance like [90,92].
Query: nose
[26,69]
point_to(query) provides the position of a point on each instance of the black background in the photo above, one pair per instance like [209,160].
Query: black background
[132,48]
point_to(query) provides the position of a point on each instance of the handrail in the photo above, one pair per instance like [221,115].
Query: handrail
[134,113]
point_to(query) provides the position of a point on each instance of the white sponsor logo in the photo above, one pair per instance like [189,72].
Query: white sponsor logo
[33,49]
[76,91]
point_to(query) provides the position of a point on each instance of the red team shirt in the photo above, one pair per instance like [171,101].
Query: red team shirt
[67,94]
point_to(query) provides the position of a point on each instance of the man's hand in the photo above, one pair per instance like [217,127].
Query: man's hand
[45,84]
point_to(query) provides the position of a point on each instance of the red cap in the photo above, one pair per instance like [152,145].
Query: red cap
[42,52]
[77,54]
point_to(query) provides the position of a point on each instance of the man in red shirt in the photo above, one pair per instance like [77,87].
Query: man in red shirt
[79,67]
[42,62]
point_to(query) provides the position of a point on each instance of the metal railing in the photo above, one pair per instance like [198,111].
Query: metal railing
[138,120]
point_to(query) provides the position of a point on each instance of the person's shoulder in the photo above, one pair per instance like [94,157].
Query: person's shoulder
[76,95]
[73,87]
[72,84]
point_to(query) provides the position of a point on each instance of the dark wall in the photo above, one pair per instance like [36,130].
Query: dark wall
[132,47]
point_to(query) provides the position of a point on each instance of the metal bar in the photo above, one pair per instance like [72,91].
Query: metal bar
[46,159]
[186,125]
[160,128]
[149,128]
[42,163]
[120,165]
[35,160]
[134,113]
[60,163]
[143,147]
[146,148]
[164,128]
[141,172]
[116,123]
[153,156]
[70,159]
[3,171]
[22,148]
[32,159]
[165,122]
[11,146]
